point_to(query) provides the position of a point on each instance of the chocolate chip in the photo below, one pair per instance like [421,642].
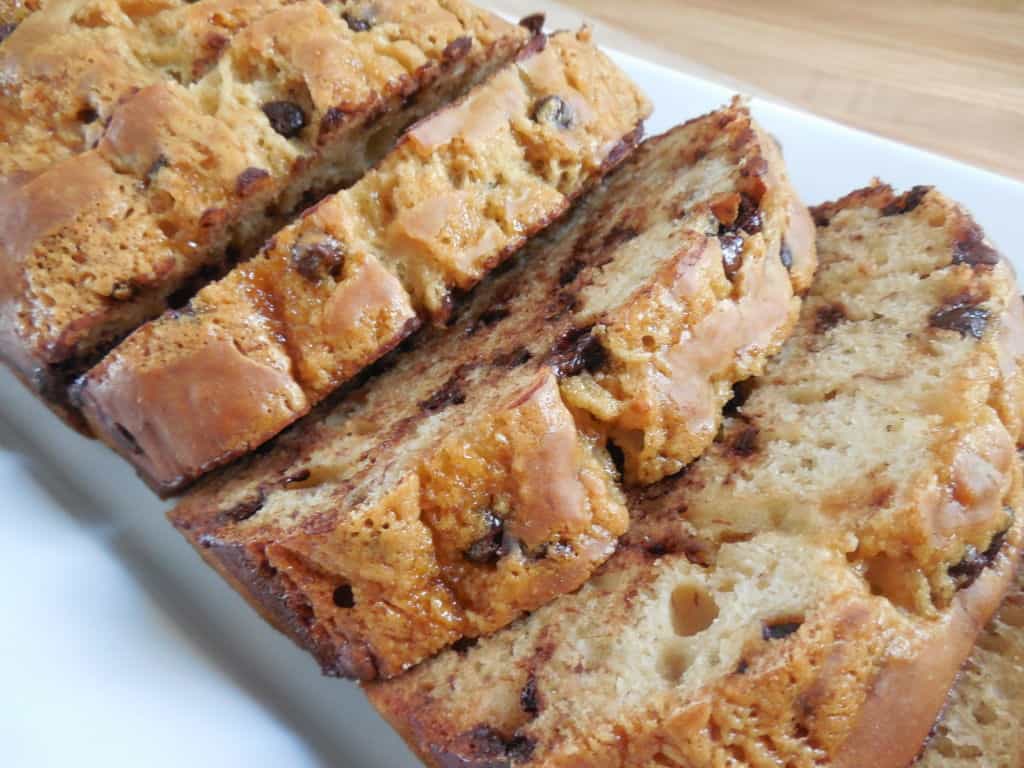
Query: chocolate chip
[534,22]
[127,439]
[742,667]
[344,597]
[828,317]
[249,179]
[554,111]
[332,120]
[965,319]
[732,253]
[359,20]
[246,509]
[786,256]
[971,249]
[570,271]
[749,217]
[744,444]
[520,748]
[513,358]
[528,697]
[286,117]
[154,168]
[618,235]
[456,49]
[906,202]
[485,747]
[973,563]
[574,351]
[463,644]
[298,477]
[536,44]
[6,30]
[87,115]
[490,316]
[450,393]
[487,549]
[779,631]
[315,260]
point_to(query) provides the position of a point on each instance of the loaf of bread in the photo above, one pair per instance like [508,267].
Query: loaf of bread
[472,481]
[356,274]
[805,593]
[187,176]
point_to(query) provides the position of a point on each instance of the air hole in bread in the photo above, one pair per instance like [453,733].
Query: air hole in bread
[673,663]
[693,609]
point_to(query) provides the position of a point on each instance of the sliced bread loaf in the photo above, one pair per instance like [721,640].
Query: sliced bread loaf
[747,618]
[186,178]
[356,274]
[464,486]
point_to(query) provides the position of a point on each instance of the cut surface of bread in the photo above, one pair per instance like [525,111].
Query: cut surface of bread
[356,274]
[466,484]
[983,723]
[743,620]
[129,181]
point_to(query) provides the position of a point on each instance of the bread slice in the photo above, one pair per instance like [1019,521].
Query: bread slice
[462,487]
[983,723]
[187,178]
[355,275]
[744,619]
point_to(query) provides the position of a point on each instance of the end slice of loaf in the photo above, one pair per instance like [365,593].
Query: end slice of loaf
[742,620]
[983,723]
[187,178]
[343,285]
[463,486]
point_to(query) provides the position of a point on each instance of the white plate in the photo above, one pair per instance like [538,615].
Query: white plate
[118,648]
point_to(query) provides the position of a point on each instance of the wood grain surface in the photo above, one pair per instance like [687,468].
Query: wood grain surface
[944,75]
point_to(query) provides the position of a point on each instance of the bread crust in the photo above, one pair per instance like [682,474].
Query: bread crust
[345,284]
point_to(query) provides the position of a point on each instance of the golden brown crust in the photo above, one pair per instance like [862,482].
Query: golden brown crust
[196,175]
[463,487]
[334,291]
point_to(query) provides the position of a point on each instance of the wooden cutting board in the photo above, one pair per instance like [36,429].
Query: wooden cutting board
[943,75]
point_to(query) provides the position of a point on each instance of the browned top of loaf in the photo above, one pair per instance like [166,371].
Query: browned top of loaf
[509,493]
[93,242]
[744,619]
[346,282]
